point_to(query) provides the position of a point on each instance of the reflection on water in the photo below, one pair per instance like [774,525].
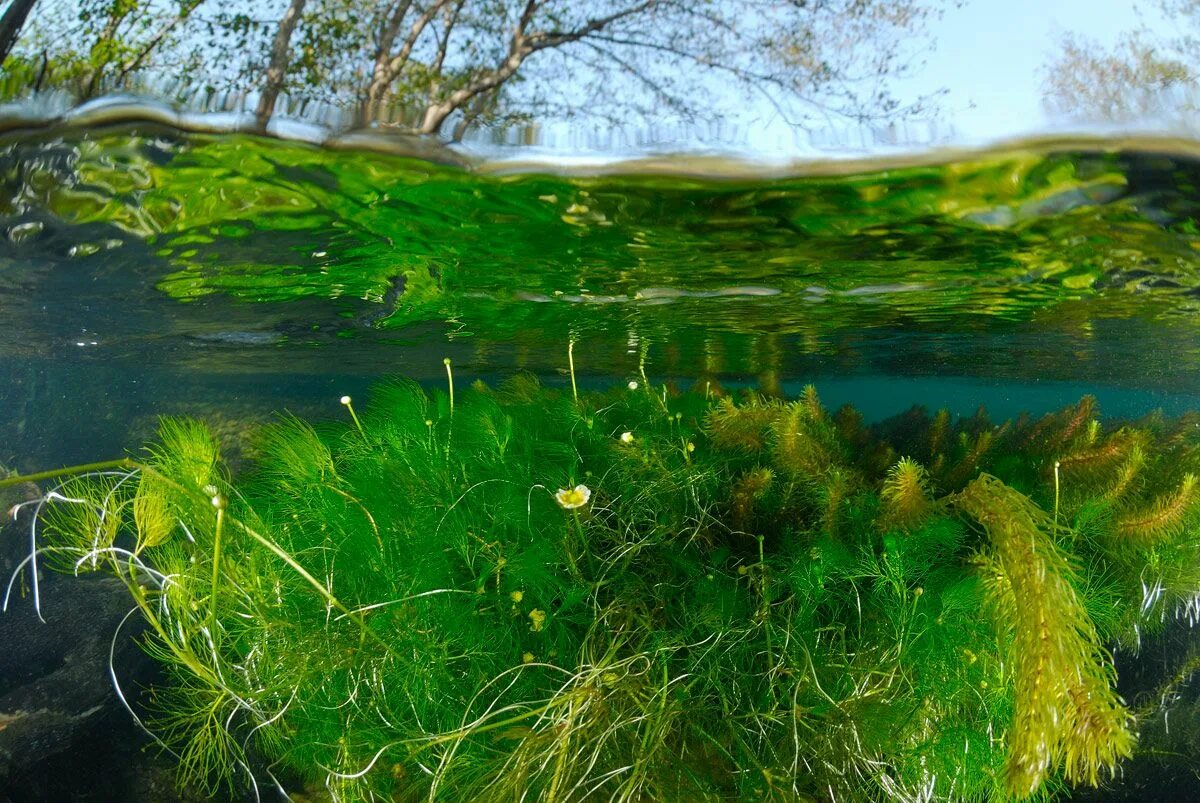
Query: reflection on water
[141,264]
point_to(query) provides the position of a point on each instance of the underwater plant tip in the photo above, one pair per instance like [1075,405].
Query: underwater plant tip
[571,366]
[1057,469]
[450,382]
[354,416]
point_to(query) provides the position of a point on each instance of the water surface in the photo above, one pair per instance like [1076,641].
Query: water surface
[145,269]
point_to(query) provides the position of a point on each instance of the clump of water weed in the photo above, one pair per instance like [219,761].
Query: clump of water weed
[643,594]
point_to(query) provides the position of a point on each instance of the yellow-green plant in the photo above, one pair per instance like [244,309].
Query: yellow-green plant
[1065,710]
[643,594]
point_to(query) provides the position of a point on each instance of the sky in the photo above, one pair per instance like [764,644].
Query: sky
[988,55]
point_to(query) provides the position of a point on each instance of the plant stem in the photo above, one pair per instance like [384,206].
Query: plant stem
[571,365]
[16,479]
[218,502]
[579,540]
[1057,466]
[350,406]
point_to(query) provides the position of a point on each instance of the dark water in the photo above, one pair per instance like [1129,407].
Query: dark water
[145,270]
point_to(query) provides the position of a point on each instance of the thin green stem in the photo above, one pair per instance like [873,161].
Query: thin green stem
[348,402]
[579,541]
[571,366]
[469,731]
[450,382]
[219,503]
[1057,466]
[262,540]
[17,479]
[764,604]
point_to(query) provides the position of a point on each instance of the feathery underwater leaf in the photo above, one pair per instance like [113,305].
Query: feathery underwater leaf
[905,495]
[1066,710]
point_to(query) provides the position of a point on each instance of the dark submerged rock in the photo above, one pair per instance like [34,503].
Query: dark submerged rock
[64,734]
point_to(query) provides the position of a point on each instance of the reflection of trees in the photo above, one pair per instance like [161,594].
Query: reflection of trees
[440,66]
[1144,76]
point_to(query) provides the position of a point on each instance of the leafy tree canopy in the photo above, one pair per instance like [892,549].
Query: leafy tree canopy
[1145,75]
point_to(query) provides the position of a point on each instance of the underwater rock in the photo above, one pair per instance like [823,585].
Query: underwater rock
[10,539]
[64,734]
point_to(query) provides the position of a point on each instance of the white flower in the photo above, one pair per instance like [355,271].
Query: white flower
[633,385]
[345,400]
[573,498]
[626,437]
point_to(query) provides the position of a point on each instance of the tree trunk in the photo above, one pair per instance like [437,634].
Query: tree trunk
[11,24]
[377,89]
[277,70]
[436,113]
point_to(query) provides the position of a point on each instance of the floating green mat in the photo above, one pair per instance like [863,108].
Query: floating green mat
[645,594]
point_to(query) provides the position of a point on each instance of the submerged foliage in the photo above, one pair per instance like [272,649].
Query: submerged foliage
[647,594]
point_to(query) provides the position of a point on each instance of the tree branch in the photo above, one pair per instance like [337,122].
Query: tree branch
[164,30]
[280,50]
[388,72]
[521,47]
[439,59]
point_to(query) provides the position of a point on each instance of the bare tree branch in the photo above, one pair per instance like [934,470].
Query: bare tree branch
[132,64]
[389,29]
[522,46]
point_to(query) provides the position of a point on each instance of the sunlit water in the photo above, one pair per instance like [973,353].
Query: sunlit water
[146,270]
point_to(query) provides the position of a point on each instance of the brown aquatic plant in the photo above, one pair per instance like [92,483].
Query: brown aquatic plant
[1166,516]
[938,430]
[748,489]
[905,495]
[835,488]
[1126,474]
[812,403]
[740,426]
[1058,430]
[805,443]
[1066,711]
[1083,413]
[969,464]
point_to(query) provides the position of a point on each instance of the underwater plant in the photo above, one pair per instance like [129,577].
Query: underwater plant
[644,593]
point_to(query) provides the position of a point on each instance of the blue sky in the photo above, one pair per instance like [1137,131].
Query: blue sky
[987,54]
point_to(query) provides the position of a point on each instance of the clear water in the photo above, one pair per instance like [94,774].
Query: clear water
[147,270]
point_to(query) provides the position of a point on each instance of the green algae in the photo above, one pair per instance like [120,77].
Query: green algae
[753,598]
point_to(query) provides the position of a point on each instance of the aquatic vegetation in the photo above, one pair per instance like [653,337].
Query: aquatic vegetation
[1065,709]
[645,594]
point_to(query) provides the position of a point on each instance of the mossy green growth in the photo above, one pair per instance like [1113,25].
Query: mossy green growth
[646,594]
